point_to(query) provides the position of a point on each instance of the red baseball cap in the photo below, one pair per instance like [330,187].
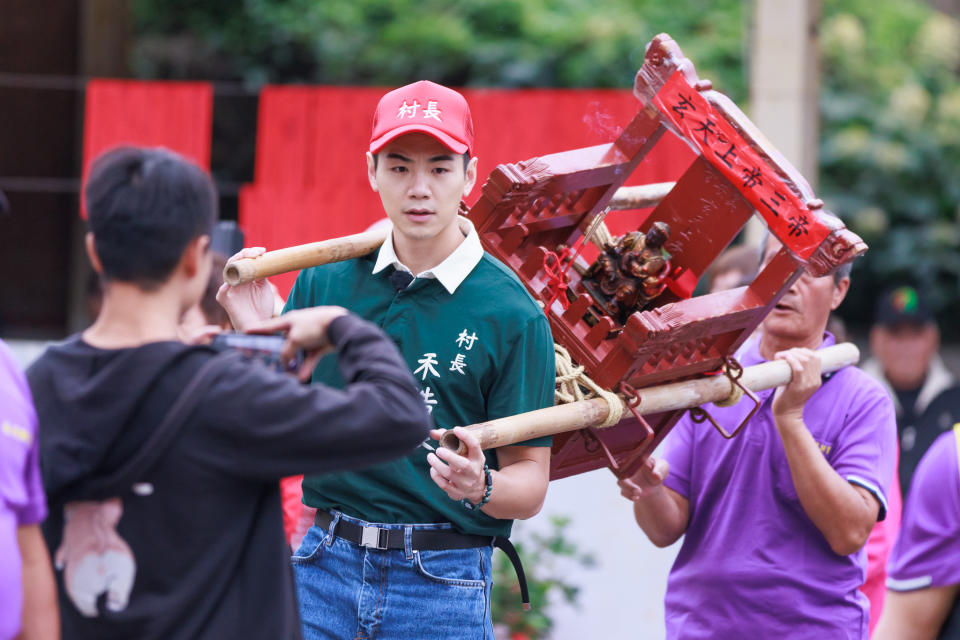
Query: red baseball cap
[426,107]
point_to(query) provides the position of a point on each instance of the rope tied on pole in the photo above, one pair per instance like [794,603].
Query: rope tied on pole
[574,385]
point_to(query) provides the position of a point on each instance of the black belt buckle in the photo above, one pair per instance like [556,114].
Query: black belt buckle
[375,538]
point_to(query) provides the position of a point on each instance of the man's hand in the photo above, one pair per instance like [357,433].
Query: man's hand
[646,480]
[305,329]
[461,477]
[661,512]
[789,400]
[248,303]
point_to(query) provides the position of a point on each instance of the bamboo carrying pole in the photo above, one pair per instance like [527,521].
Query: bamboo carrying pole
[641,196]
[313,254]
[678,395]
[302,256]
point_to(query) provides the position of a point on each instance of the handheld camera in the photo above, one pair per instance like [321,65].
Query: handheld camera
[265,349]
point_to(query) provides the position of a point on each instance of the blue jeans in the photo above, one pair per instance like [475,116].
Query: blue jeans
[349,591]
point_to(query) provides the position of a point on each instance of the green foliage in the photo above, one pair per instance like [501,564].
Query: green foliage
[545,560]
[890,145]
[890,102]
[506,43]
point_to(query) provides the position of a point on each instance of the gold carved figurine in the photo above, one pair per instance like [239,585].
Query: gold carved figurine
[630,272]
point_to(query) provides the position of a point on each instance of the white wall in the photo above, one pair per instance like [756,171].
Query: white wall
[622,595]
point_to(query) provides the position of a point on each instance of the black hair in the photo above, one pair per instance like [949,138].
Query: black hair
[466,160]
[144,207]
[213,313]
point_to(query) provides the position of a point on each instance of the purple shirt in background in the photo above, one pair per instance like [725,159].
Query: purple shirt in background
[927,552]
[21,494]
[752,564]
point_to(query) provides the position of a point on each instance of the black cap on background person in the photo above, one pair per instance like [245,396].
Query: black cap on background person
[904,339]
[903,305]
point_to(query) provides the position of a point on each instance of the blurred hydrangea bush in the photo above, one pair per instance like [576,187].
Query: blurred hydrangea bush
[890,146]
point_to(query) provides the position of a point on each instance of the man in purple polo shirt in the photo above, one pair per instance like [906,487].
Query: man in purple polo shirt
[776,518]
[923,573]
[28,602]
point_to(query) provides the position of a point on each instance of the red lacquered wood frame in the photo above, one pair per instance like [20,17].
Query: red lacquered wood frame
[529,209]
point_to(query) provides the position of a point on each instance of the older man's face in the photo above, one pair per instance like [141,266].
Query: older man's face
[801,314]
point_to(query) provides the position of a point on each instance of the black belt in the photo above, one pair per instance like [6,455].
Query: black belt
[381,538]
[422,540]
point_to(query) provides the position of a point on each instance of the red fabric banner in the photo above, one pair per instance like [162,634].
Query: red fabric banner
[175,115]
[720,144]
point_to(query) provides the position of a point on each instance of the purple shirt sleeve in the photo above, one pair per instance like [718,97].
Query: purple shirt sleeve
[34,510]
[927,552]
[678,452]
[865,453]
[20,484]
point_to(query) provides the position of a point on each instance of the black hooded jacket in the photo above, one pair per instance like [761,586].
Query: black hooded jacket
[190,544]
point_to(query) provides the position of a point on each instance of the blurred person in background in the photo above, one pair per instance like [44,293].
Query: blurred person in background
[735,267]
[207,318]
[28,595]
[924,568]
[904,344]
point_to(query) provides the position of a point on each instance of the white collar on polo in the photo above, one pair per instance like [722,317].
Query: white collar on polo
[452,271]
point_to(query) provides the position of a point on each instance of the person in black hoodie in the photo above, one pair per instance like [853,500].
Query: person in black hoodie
[160,460]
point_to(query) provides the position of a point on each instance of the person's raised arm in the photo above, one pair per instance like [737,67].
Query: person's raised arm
[267,425]
[844,513]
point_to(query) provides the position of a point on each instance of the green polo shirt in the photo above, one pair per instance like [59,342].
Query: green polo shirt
[483,352]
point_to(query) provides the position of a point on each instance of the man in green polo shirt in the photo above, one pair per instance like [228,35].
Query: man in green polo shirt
[402,550]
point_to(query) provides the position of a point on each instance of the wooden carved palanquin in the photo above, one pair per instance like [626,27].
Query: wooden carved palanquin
[534,216]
